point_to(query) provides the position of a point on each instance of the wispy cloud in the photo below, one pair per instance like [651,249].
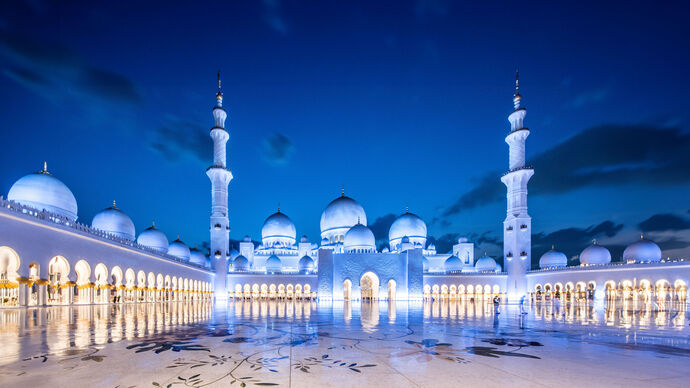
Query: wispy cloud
[664,222]
[273,16]
[276,149]
[56,71]
[589,97]
[177,139]
[602,156]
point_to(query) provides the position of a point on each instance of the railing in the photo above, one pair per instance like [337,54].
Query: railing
[607,266]
[518,169]
[53,218]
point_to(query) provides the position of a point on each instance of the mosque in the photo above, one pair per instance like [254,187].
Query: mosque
[48,257]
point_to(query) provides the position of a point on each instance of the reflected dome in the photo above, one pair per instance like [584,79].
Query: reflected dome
[42,191]
[114,221]
[154,239]
[595,254]
[642,251]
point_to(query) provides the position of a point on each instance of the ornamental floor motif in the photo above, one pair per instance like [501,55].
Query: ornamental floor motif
[310,344]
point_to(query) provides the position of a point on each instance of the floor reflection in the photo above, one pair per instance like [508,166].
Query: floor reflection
[29,331]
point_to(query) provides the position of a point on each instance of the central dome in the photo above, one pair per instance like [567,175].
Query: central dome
[112,220]
[278,228]
[43,191]
[407,225]
[360,239]
[340,215]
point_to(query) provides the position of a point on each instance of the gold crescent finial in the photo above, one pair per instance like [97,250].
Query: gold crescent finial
[219,95]
[114,205]
[45,166]
[343,191]
[517,80]
[153,224]
[407,209]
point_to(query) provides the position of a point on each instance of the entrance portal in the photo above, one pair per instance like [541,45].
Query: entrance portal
[369,285]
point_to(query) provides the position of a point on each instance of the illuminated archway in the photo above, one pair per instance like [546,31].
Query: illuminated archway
[369,286]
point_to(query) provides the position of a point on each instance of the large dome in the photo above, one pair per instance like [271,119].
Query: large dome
[197,257]
[552,259]
[273,264]
[340,215]
[43,191]
[306,264]
[359,238]
[154,239]
[595,255]
[453,264]
[112,220]
[179,249]
[485,264]
[278,228]
[642,251]
[409,225]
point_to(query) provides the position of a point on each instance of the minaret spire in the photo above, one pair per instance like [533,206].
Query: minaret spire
[517,97]
[219,95]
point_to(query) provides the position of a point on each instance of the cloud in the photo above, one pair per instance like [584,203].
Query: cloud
[380,228]
[444,244]
[607,155]
[588,98]
[572,241]
[56,71]
[178,138]
[664,222]
[273,16]
[276,149]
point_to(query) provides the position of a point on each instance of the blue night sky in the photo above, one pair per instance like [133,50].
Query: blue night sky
[403,103]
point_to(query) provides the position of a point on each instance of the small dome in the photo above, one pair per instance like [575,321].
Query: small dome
[405,240]
[485,264]
[304,239]
[385,250]
[197,257]
[595,255]
[407,225]
[553,258]
[431,247]
[247,238]
[278,228]
[340,215]
[498,268]
[306,264]
[273,264]
[359,237]
[179,249]
[154,239]
[240,264]
[112,220]
[453,264]
[42,191]
[642,251]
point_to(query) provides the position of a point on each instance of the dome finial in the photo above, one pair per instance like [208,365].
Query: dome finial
[343,191]
[114,204]
[553,247]
[153,224]
[45,169]
[641,236]
[358,220]
[278,207]
[219,95]
[594,242]
[407,209]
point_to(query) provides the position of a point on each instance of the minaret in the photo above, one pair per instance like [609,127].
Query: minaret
[220,177]
[517,227]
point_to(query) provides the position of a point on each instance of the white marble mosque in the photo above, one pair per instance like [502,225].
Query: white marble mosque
[50,257]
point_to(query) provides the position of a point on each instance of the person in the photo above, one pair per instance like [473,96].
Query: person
[522,305]
[497,304]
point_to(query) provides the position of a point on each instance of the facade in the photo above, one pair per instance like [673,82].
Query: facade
[48,257]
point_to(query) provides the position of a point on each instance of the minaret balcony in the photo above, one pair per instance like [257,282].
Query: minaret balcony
[518,169]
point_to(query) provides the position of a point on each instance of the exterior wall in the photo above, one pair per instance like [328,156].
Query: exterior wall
[672,272]
[463,281]
[37,240]
[403,268]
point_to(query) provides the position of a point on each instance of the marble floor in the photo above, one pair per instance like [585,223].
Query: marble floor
[310,344]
